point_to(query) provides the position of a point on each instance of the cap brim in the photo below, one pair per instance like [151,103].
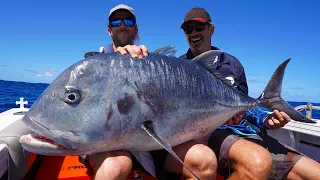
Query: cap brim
[122,9]
[203,20]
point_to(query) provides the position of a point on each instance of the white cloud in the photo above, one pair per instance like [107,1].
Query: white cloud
[3,68]
[254,81]
[297,88]
[48,73]
[31,71]
[254,75]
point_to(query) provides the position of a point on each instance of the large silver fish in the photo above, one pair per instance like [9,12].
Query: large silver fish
[110,102]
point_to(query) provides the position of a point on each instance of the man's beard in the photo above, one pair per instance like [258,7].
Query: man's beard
[123,41]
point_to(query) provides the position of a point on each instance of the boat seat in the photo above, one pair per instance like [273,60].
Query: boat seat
[19,160]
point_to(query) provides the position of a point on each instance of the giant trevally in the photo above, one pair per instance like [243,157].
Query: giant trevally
[110,102]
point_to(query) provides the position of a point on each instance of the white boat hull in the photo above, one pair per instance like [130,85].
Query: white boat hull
[304,140]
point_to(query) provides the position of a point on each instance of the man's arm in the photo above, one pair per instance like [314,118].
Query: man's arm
[263,118]
[256,116]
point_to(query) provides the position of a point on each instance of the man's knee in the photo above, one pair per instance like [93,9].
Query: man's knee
[261,160]
[202,156]
[251,158]
[112,165]
[198,157]
[202,159]
[121,161]
[305,168]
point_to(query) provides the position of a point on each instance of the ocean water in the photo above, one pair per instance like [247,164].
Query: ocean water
[11,91]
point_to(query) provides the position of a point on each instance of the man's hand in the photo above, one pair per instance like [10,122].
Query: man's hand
[134,51]
[276,120]
[236,118]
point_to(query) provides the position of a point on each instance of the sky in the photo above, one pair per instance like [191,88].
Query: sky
[39,39]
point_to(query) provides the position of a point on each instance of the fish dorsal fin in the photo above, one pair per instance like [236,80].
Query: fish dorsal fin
[166,50]
[92,53]
[207,59]
[148,128]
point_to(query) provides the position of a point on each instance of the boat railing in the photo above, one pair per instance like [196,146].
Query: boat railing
[308,108]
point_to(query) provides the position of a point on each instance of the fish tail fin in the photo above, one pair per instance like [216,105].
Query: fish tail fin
[271,96]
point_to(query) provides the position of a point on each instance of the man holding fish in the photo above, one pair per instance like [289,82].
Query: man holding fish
[241,149]
[123,29]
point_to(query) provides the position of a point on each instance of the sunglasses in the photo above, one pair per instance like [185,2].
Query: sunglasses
[117,22]
[198,27]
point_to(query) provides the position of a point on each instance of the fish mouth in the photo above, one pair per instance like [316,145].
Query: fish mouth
[45,141]
[41,145]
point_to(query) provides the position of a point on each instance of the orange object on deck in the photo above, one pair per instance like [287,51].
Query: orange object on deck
[62,168]
[69,168]
[31,160]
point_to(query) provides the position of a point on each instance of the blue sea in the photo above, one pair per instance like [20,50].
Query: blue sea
[11,91]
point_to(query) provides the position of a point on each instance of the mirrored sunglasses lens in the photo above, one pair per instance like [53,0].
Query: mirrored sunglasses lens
[129,22]
[199,27]
[115,23]
[188,29]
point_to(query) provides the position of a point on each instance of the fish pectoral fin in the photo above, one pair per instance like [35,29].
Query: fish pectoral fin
[146,160]
[207,59]
[147,126]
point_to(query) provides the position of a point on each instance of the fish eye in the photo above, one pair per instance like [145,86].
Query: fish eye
[71,96]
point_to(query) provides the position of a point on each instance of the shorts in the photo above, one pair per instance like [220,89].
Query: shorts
[283,157]
[159,158]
